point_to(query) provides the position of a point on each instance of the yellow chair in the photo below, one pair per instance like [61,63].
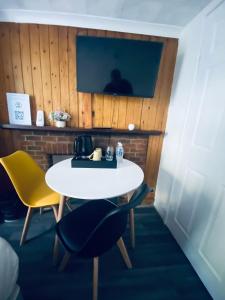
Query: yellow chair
[28,180]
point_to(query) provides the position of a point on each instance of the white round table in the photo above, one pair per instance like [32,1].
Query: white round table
[94,183]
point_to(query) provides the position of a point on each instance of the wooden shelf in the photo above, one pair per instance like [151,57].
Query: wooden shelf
[82,130]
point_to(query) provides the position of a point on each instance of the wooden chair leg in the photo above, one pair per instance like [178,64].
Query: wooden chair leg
[55,210]
[124,253]
[56,244]
[131,219]
[61,207]
[26,225]
[95,278]
[132,229]
[64,261]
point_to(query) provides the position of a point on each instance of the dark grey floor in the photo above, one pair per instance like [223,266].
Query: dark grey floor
[161,271]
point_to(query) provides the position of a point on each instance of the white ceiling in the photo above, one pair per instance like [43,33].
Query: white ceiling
[176,13]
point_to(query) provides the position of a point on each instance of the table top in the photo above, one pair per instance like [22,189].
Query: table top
[93,183]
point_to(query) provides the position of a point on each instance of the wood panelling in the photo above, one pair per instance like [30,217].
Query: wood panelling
[45,70]
[16,57]
[36,73]
[85,110]
[26,66]
[41,60]
[54,66]
[6,60]
[98,101]
[3,108]
[72,32]
[64,68]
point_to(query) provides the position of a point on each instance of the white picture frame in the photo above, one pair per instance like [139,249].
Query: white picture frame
[19,108]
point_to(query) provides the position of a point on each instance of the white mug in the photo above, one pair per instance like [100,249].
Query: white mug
[96,155]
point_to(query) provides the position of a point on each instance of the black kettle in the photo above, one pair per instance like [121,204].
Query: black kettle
[83,146]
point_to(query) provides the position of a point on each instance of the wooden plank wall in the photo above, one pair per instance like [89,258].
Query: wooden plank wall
[41,60]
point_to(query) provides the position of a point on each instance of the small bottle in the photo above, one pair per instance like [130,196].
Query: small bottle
[119,152]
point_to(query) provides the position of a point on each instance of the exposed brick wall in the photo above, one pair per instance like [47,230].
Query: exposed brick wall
[41,143]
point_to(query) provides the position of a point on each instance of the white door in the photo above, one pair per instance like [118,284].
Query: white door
[196,214]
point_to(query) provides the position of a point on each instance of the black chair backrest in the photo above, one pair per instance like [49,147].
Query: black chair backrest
[112,226]
[137,197]
[105,235]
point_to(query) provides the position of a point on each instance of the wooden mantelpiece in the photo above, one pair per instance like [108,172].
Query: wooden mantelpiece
[93,131]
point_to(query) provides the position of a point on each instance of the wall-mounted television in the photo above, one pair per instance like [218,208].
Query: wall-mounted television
[117,66]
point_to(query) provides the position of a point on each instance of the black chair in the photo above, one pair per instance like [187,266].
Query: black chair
[93,228]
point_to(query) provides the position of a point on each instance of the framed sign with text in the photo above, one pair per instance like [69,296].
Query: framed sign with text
[19,108]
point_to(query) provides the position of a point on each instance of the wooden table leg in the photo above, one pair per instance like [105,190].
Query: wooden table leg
[132,225]
[56,245]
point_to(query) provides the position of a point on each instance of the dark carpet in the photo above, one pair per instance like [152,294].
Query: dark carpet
[160,269]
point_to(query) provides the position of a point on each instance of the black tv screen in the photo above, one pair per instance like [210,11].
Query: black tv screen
[117,66]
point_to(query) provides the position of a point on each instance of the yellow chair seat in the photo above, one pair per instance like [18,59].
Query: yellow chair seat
[43,196]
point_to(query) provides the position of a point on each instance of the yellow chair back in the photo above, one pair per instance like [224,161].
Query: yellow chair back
[24,173]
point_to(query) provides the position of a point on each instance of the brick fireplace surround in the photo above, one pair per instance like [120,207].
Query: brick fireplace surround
[42,144]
